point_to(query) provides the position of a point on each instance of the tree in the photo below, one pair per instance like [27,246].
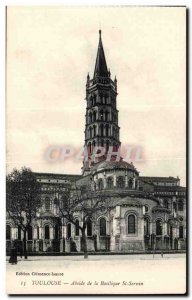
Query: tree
[23,194]
[82,200]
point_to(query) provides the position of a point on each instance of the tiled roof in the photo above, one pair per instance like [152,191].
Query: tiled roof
[170,188]
[160,179]
[57,176]
[113,165]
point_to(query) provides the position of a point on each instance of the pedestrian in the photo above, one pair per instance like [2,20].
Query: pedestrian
[162,253]
[13,257]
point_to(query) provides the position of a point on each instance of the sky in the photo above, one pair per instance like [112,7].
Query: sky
[50,50]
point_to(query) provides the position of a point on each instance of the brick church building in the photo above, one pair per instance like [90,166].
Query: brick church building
[146,213]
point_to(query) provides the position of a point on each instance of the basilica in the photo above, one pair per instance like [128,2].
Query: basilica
[146,213]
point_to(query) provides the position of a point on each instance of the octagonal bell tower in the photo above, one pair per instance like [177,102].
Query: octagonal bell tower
[101,125]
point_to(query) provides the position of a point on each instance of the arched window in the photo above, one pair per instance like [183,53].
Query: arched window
[101,97]
[56,201]
[114,132]
[68,230]
[56,231]
[130,184]
[180,205]
[89,149]
[38,232]
[91,101]
[89,228]
[47,234]
[109,182]
[19,232]
[136,184]
[158,227]
[171,232]
[47,204]
[101,115]
[100,184]
[120,182]
[181,232]
[94,116]
[93,146]
[30,232]
[131,224]
[102,227]
[94,130]
[166,205]
[90,132]
[174,206]
[8,232]
[90,117]
[94,99]
[77,227]
[101,129]
[107,130]
[146,226]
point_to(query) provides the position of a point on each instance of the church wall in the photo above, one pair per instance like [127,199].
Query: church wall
[131,242]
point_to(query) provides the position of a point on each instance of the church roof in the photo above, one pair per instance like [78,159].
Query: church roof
[128,201]
[72,177]
[159,179]
[113,165]
[47,214]
[170,188]
[100,65]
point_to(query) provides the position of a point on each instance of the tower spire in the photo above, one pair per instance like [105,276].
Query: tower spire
[100,65]
[101,122]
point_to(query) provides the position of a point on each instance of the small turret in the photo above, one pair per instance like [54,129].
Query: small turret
[88,79]
[115,82]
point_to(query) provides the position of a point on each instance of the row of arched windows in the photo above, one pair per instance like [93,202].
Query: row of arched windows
[179,205]
[47,204]
[57,232]
[102,98]
[77,232]
[159,228]
[131,229]
[102,143]
[102,130]
[103,115]
[102,228]
[120,183]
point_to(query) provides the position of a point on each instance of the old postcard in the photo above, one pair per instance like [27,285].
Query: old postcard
[96,150]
